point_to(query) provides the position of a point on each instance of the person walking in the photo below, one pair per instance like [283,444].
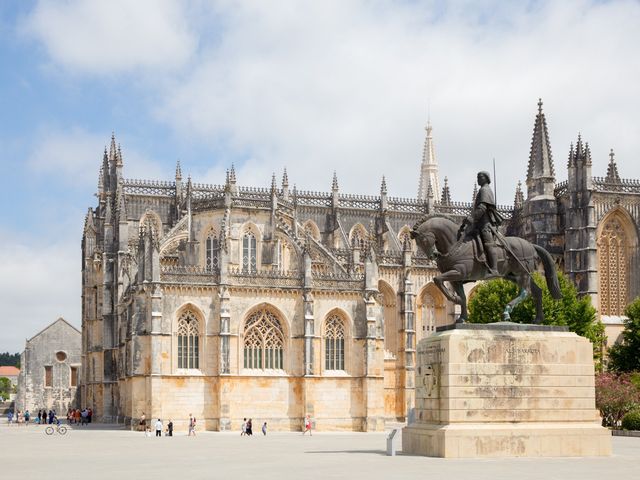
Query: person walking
[307,426]
[27,417]
[192,425]
[170,428]
[158,428]
[249,427]
[264,428]
[244,427]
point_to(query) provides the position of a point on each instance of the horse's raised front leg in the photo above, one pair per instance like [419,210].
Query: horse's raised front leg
[450,276]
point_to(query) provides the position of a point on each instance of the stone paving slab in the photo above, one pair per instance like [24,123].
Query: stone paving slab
[109,452]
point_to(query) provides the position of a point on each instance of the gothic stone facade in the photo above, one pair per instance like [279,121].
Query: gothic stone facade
[590,224]
[50,370]
[228,302]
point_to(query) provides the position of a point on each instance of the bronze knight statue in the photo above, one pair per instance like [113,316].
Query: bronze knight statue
[455,252]
[483,222]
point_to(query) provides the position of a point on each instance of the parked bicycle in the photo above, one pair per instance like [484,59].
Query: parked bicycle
[61,429]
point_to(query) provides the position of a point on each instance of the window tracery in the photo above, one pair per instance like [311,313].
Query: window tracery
[188,341]
[249,255]
[211,251]
[334,343]
[613,247]
[263,342]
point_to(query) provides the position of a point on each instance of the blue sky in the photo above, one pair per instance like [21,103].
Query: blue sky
[313,86]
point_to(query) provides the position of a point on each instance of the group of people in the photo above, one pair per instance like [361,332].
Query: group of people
[159,427]
[24,418]
[247,427]
[79,417]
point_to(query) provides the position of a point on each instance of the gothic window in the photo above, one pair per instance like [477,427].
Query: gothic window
[312,230]
[74,376]
[263,342]
[404,236]
[249,258]
[334,343]
[613,247]
[188,341]
[358,236]
[211,251]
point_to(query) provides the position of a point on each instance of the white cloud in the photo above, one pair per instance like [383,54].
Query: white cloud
[107,37]
[75,155]
[318,86]
[40,282]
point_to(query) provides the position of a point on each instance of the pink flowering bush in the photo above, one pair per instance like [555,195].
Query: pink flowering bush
[616,395]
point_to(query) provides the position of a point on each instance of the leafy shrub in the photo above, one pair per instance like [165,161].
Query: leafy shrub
[625,356]
[631,421]
[616,396]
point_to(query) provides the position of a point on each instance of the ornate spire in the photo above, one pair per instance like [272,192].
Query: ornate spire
[612,169]
[540,172]
[475,192]
[519,200]
[430,190]
[113,148]
[383,186]
[285,179]
[273,183]
[446,194]
[232,175]
[334,183]
[119,162]
[429,166]
[571,162]
[178,171]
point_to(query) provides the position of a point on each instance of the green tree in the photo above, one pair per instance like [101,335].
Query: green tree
[5,387]
[491,297]
[625,356]
[10,359]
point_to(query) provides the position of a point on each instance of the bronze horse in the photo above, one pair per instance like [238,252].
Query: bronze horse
[458,262]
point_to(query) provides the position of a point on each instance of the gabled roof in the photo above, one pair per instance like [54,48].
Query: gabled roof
[9,371]
[51,325]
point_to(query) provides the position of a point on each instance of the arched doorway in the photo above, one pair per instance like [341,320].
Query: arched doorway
[430,311]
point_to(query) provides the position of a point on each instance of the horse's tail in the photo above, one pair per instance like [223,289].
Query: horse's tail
[549,272]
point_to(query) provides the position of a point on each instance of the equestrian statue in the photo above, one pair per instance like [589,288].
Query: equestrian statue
[476,250]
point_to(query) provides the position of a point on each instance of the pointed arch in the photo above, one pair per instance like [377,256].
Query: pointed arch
[430,311]
[211,249]
[264,339]
[151,217]
[390,309]
[405,235]
[312,229]
[358,235]
[617,242]
[188,332]
[334,334]
[250,240]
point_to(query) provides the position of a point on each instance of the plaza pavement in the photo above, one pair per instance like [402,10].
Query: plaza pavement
[109,452]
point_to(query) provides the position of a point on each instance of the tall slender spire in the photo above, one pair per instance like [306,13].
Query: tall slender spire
[429,166]
[518,201]
[178,171]
[334,182]
[232,174]
[383,186]
[540,171]
[285,179]
[612,169]
[445,199]
[273,182]
[475,193]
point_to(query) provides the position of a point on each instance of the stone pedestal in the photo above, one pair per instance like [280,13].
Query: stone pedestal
[505,390]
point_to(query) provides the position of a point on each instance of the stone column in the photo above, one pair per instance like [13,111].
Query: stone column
[309,333]
[373,383]
[225,320]
[407,314]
